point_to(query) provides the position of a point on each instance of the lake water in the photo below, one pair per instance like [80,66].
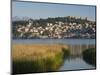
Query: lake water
[50,41]
[74,62]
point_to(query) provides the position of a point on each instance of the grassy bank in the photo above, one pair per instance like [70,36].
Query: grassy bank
[89,55]
[30,58]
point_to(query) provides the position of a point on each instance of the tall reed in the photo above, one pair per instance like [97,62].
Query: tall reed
[28,58]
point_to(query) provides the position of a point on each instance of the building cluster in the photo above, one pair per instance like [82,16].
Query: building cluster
[59,30]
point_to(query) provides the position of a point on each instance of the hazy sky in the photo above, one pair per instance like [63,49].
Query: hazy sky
[45,10]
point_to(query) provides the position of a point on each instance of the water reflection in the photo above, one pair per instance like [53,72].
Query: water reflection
[76,50]
[76,64]
[75,61]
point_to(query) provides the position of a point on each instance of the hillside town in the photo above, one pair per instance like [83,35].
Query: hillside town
[54,28]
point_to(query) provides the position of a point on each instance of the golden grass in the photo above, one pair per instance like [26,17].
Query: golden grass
[30,58]
[34,51]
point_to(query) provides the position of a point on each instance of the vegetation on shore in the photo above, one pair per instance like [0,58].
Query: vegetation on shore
[89,55]
[29,58]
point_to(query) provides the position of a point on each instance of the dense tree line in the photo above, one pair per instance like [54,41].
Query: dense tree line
[67,19]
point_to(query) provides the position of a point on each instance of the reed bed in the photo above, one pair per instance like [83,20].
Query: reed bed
[30,58]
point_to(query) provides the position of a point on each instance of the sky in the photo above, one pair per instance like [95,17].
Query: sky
[44,10]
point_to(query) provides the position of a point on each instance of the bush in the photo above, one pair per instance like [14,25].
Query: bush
[89,55]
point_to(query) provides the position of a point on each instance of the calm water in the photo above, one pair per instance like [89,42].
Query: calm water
[76,46]
[75,64]
[50,41]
